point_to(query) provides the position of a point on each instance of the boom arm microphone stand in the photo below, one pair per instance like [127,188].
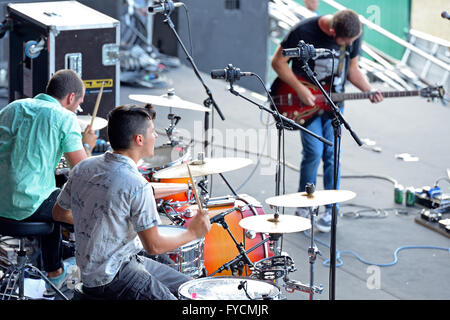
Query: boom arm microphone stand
[169,8]
[338,120]
[233,73]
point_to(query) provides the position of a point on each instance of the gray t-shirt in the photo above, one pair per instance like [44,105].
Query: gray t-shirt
[110,202]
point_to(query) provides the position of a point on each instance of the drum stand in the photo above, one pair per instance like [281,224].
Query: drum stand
[241,260]
[313,251]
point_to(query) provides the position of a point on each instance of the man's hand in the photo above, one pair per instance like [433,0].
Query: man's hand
[306,96]
[200,224]
[89,137]
[376,96]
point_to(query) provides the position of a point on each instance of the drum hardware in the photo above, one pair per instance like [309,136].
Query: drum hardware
[272,268]
[175,218]
[240,261]
[174,119]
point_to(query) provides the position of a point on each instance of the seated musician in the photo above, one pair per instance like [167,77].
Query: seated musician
[115,216]
[34,133]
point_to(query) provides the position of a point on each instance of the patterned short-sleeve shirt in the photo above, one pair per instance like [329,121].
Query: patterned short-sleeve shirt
[110,202]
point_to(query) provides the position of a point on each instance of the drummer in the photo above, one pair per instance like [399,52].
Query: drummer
[115,216]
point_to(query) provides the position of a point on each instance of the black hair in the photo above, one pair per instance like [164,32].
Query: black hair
[346,24]
[64,82]
[125,121]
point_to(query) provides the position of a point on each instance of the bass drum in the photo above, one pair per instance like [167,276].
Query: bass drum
[219,247]
[166,156]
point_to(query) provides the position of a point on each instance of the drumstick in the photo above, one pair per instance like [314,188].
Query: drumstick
[193,189]
[97,103]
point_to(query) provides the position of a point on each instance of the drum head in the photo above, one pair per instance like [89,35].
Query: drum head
[172,231]
[165,156]
[228,288]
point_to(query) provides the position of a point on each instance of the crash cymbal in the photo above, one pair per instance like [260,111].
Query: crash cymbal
[84,120]
[269,224]
[318,198]
[204,167]
[168,100]
[168,189]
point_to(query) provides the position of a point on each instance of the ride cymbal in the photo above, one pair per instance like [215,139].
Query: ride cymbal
[318,198]
[85,120]
[269,224]
[168,100]
[204,167]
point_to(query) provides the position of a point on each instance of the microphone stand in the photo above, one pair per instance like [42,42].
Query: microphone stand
[208,101]
[337,122]
[280,119]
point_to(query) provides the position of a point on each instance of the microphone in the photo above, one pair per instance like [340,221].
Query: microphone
[306,51]
[166,7]
[230,73]
[218,217]
[445,15]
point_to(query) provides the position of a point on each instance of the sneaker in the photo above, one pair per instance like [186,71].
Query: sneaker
[324,221]
[60,280]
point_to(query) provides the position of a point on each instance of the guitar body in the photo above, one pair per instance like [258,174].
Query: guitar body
[289,105]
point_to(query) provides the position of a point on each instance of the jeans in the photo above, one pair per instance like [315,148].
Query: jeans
[51,244]
[141,278]
[314,151]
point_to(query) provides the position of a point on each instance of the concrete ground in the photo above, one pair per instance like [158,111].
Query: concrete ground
[392,264]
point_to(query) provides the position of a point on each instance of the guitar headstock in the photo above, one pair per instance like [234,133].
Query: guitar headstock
[432,92]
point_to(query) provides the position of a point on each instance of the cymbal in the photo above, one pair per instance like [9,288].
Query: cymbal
[205,167]
[318,198]
[85,120]
[168,100]
[168,189]
[268,224]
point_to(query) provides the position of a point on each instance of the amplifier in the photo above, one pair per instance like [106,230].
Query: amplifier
[49,36]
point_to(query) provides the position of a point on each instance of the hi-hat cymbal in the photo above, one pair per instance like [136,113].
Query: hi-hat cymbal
[269,224]
[168,100]
[204,167]
[318,198]
[85,120]
[168,189]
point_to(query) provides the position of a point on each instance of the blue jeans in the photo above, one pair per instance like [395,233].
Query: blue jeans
[314,151]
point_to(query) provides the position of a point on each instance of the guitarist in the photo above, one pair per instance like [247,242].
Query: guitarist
[340,32]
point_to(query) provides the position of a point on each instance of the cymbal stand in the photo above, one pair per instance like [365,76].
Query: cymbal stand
[174,119]
[238,263]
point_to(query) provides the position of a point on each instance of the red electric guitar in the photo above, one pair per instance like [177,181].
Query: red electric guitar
[288,103]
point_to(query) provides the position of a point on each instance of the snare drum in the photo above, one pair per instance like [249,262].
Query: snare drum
[166,156]
[187,259]
[219,246]
[228,288]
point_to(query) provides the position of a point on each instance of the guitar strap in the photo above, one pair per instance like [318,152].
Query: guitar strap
[341,59]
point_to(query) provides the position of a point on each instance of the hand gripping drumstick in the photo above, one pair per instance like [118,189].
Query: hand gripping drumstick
[97,103]
[195,191]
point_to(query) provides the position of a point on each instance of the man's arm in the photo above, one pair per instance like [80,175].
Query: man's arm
[357,78]
[155,243]
[280,65]
[89,139]
[62,215]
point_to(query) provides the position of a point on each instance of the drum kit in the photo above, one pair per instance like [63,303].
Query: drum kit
[240,257]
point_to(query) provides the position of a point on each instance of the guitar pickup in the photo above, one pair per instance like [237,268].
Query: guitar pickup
[290,100]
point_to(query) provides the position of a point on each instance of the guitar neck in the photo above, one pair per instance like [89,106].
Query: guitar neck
[365,95]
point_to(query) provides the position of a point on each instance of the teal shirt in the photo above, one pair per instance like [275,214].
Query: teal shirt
[34,133]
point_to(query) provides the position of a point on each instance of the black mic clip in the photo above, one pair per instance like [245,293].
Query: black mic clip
[230,73]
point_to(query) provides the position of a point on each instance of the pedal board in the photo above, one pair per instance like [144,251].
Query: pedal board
[437,219]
